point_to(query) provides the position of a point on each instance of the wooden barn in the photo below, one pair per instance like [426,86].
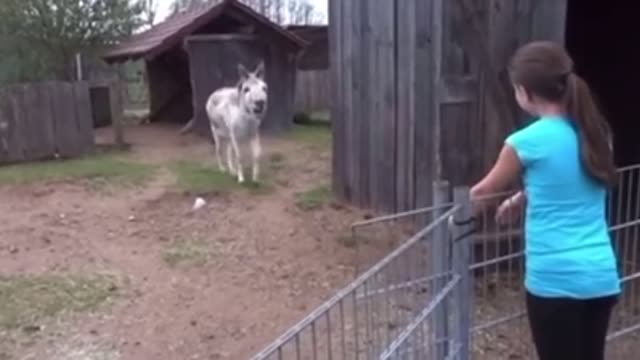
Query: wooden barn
[313,83]
[315,55]
[420,89]
[191,54]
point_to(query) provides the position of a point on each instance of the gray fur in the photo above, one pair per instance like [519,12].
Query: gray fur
[235,115]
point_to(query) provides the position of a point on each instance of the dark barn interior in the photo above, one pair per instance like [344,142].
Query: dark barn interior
[600,39]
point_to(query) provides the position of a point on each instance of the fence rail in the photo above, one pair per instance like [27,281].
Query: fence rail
[455,291]
[45,120]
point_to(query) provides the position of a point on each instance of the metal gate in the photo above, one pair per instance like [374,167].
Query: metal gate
[454,290]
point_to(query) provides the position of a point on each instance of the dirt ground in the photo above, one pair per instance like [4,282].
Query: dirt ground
[268,264]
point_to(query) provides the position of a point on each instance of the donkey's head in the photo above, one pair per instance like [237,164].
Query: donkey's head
[253,89]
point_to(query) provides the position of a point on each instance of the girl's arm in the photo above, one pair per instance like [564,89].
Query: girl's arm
[505,171]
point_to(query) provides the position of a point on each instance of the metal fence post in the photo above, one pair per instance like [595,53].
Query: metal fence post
[440,264]
[462,226]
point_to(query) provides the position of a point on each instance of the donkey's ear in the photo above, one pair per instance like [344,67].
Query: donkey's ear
[242,71]
[260,70]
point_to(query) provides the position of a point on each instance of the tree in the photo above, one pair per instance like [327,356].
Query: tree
[46,34]
[150,11]
[301,12]
[278,11]
[180,6]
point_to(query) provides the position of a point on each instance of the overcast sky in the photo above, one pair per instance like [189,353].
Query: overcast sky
[163,7]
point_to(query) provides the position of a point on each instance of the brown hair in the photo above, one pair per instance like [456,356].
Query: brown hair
[545,69]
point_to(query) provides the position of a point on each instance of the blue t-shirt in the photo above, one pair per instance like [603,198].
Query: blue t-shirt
[568,249]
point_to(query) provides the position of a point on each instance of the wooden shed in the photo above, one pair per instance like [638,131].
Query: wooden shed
[197,51]
[421,90]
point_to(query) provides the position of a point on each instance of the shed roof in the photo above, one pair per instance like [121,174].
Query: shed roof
[172,31]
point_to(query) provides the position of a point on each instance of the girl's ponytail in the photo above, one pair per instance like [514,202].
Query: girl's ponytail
[595,135]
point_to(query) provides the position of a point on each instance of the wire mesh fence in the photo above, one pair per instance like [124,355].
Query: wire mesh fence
[455,289]
[500,329]
[365,318]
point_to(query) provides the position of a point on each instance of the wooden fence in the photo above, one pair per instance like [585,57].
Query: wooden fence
[45,120]
[313,91]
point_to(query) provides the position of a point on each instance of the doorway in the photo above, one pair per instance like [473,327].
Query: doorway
[603,42]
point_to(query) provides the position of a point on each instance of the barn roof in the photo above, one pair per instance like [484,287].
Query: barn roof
[309,32]
[172,31]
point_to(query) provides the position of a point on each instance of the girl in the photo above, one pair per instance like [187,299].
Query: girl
[566,163]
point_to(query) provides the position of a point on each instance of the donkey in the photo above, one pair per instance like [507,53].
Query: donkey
[235,115]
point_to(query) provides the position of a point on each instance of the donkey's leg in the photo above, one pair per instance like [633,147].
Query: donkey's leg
[216,139]
[230,160]
[256,151]
[236,150]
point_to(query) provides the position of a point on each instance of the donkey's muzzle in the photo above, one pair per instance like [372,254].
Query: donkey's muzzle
[259,106]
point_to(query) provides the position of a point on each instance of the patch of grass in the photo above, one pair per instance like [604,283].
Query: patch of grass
[314,198]
[198,178]
[28,300]
[104,168]
[315,135]
[188,252]
[321,116]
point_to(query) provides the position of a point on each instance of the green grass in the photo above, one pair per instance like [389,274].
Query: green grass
[320,116]
[188,252]
[28,300]
[315,135]
[314,198]
[199,178]
[106,168]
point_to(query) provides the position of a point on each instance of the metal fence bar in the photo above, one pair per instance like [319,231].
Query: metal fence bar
[417,321]
[461,241]
[441,264]
[401,215]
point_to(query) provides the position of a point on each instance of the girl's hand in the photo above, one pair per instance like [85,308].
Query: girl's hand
[504,212]
[510,209]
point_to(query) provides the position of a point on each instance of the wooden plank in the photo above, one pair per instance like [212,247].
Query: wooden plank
[15,116]
[32,135]
[456,98]
[456,88]
[338,165]
[469,16]
[5,125]
[405,117]
[388,119]
[85,139]
[20,136]
[47,121]
[347,57]
[65,126]
[357,94]
[549,20]
[376,77]
[456,145]
[424,148]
